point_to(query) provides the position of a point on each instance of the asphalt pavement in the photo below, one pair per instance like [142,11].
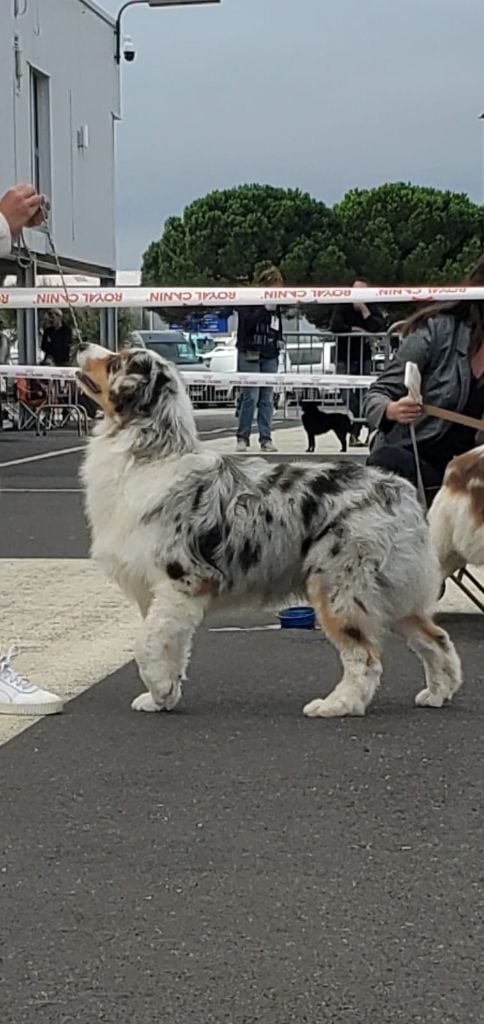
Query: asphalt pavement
[233,862]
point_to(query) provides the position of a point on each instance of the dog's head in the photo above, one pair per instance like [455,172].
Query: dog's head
[465,476]
[128,385]
[138,389]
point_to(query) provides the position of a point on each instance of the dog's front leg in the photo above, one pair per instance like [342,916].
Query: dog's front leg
[135,589]
[343,440]
[164,644]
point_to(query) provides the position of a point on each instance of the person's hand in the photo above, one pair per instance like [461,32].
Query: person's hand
[361,308]
[22,208]
[403,411]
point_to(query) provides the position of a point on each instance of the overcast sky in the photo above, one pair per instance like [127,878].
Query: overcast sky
[323,95]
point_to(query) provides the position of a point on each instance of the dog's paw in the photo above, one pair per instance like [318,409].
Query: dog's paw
[427,699]
[332,707]
[174,696]
[145,702]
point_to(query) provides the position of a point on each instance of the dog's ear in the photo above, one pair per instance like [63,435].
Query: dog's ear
[137,388]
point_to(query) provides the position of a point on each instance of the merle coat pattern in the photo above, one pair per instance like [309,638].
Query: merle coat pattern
[181,528]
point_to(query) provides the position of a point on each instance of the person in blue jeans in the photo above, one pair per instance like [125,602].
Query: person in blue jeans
[259,341]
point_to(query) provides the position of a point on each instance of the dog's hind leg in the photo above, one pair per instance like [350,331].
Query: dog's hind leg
[164,644]
[443,672]
[359,653]
[343,440]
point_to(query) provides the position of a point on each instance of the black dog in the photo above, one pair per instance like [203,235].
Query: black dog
[316,422]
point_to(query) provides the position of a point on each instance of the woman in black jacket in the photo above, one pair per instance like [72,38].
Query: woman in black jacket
[352,322]
[446,341]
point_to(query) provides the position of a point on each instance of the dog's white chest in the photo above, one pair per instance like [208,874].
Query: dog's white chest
[114,498]
[103,475]
[121,493]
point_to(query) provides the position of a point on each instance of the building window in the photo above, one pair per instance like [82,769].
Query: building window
[40,131]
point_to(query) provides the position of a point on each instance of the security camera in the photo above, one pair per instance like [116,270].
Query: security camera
[129,51]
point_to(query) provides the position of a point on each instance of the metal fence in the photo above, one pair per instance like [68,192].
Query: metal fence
[318,352]
[357,354]
[42,405]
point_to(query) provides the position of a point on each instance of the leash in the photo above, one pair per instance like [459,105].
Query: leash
[413,383]
[454,417]
[420,484]
[25,259]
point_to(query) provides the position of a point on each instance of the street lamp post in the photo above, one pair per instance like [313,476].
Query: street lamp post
[151,3]
[481,119]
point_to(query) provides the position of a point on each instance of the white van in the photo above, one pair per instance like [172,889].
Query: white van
[314,355]
[306,354]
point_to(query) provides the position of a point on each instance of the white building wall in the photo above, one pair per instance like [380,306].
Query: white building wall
[71,42]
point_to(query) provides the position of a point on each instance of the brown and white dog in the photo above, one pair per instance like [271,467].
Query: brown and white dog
[457,514]
[182,529]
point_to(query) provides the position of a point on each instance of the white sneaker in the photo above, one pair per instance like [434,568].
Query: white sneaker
[268,446]
[20,697]
[242,445]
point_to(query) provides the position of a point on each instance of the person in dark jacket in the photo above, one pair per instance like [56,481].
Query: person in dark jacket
[446,341]
[259,341]
[353,355]
[57,341]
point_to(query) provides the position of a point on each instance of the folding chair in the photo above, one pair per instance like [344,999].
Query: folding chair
[54,416]
[28,397]
[62,408]
[464,579]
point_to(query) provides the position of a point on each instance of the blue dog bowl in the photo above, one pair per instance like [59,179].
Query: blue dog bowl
[302,617]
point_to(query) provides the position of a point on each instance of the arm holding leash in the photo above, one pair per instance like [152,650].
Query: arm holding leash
[390,386]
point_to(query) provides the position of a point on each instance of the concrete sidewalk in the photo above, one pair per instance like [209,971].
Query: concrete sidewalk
[289,441]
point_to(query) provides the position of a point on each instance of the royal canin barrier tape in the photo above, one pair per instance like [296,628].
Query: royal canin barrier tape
[48,298]
[327,381]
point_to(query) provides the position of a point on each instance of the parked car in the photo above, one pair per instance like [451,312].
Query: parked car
[223,359]
[172,345]
[178,349]
[308,354]
[204,343]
